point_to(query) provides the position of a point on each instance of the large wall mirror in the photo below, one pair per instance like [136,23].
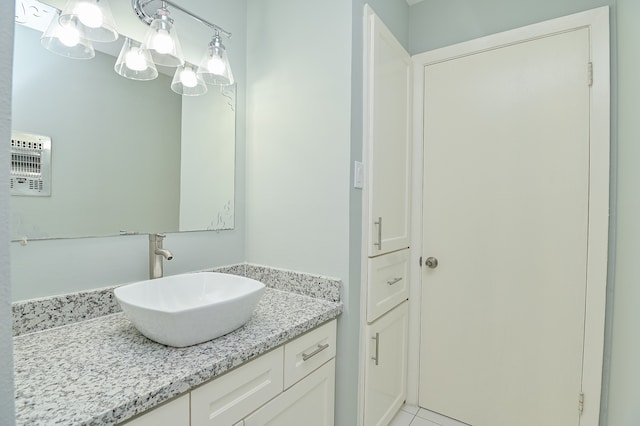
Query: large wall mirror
[126,156]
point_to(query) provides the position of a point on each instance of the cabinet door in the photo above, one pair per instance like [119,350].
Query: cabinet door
[229,398]
[173,413]
[386,368]
[309,402]
[387,141]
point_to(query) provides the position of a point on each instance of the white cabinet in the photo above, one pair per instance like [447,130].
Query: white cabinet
[308,402]
[387,194]
[293,384]
[386,366]
[174,413]
[387,147]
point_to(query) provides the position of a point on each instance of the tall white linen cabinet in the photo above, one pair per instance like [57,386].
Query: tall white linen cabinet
[387,201]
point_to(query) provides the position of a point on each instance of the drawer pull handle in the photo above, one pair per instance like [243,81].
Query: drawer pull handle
[379,243]
[377,356]
[319,349]
[394,281]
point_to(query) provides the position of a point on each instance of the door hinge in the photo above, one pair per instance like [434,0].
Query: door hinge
[581,402]
[590,73]
[420,261]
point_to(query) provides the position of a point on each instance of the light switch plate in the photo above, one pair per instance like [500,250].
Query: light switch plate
[358,174]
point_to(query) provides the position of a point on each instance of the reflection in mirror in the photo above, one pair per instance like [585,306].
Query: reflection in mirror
[125,155]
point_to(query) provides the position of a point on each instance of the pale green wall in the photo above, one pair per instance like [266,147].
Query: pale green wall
[394,14]
[624,385]
[438,23]
[298,149]
[298,77]
[6,343]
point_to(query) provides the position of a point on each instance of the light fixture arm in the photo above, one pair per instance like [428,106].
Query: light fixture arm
[144,16]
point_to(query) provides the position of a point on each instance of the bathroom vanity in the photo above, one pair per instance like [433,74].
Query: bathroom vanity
[290,385]
[278,367]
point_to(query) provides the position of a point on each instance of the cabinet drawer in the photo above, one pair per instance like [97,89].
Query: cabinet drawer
[308,352]
[229,398]
[387,283]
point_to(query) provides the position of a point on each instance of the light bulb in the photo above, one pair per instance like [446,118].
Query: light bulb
[162,42]
[89,14]
[69,36]
[188,78]
[134,59]
[216,65]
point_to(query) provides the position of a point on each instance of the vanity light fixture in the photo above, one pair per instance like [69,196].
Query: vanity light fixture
[186,81]
[93,16]
[81,21]
[162,40]
[67,40]
[214,67]
[134,62]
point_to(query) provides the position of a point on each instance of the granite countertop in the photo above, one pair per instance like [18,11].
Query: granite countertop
[103,371]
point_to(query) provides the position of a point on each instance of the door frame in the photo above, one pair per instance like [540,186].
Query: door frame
[597,20]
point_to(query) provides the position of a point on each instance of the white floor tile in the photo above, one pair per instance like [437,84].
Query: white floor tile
[419,421]
[411,409]
[438,418]
[401,419]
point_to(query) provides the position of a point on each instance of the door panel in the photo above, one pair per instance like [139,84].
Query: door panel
[388,140]
[386,368]
[505,211]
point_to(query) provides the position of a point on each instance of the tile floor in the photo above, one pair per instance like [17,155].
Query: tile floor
[410,415]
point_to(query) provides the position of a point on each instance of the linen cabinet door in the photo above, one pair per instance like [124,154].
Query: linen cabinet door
[309,402]
[387,140]
[386,367]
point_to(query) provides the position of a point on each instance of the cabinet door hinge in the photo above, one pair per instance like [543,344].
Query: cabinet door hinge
[590,73]
[581,402]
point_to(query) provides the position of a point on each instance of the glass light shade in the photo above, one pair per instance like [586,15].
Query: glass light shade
[162,41]
[94,16]
[186,81]
[214,67]
[67,40]
[134,62]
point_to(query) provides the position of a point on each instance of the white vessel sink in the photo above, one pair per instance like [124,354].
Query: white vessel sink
[183,310]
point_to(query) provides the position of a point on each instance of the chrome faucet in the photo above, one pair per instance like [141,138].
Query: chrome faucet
[156,253]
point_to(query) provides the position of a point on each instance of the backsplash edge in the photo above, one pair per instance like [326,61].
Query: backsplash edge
[33,315]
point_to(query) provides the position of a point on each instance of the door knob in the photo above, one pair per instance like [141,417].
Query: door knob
[431,262]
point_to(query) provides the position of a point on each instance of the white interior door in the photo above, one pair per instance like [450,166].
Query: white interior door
[505,212]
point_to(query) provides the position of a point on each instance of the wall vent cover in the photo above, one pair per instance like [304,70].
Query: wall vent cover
[30,165]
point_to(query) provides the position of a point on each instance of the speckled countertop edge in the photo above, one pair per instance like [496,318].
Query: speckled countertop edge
[103,371]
